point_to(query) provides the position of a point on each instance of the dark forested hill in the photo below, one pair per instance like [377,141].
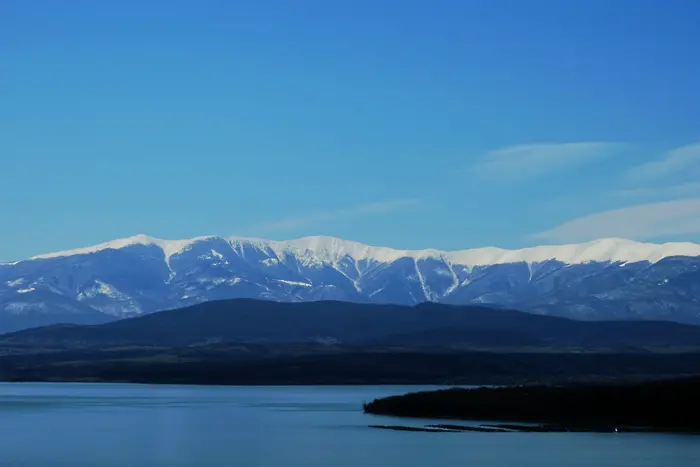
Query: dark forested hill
[425,325]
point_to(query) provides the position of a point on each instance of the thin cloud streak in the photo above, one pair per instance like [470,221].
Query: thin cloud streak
[640,222]
[349,213]
[526,161]
[672,191]
[683,162]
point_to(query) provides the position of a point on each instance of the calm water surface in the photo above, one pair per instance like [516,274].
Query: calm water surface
[107,425]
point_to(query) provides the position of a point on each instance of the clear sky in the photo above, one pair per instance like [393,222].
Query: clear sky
[412,124]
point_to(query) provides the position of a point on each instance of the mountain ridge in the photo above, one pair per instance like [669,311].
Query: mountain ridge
[344,323]
[604,249]
[603,279]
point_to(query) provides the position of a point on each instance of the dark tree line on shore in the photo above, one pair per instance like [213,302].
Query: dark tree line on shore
[671,405]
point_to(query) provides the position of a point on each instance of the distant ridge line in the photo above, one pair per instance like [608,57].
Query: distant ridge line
[332,249]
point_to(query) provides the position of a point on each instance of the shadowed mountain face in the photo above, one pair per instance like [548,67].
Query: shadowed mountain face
[364,325]
[141,275]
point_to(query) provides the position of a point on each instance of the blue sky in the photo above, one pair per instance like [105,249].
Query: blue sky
[413,124]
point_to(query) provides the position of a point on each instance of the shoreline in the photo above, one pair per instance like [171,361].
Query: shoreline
[660,406]
[537,428]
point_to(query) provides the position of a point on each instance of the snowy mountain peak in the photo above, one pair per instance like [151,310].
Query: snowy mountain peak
[169,247]
[331,250]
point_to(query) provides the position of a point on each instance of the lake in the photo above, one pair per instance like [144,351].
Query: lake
[125,425]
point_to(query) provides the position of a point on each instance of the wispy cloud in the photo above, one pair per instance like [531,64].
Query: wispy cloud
[348,213]
[671,191]
[643,221]
[680,163]
[527,161]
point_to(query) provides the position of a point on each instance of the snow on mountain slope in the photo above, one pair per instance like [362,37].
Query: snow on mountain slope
[331,250]
[608,278]
[169,247]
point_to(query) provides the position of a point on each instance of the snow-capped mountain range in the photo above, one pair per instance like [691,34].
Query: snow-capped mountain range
[603,279]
